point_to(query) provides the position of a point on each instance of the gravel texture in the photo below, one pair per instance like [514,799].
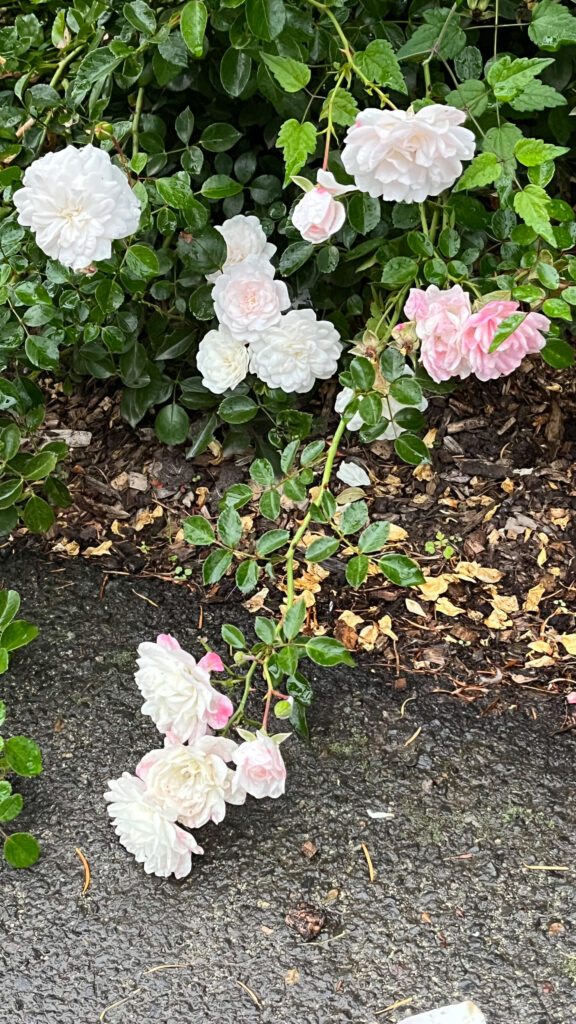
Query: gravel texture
[451,915]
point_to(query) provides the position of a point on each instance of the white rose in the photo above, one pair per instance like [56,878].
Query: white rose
[248,300]
[146,831]
[405,157]
[260,769]
[244,237]
[222,360]
[296,351]
[77,202]
[319,215]
[178,695]
[389,409]
[190,783]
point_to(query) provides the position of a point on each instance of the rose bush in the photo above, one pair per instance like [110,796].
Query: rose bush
[224,203]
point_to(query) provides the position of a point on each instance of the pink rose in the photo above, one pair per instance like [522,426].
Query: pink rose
[439,318]
[319,215]
[479,333]
[260,770]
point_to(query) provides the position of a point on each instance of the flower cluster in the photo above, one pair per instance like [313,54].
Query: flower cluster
[285,350]
[189,781]
[457,342]
[77,202]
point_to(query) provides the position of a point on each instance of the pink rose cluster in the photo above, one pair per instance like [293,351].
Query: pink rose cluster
[455,342]
[189,781]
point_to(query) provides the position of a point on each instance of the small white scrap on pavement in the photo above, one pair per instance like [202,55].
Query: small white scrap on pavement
[462,1013]
[353,475]
[381,815]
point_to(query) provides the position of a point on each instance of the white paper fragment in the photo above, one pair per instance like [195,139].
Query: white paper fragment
[353,475]
[461,1013]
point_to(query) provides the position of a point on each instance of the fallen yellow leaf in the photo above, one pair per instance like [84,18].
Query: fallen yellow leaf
[102,549]
[533,598]
[414,608]
[498,619]
[445,605]
[474,571]
[568,641]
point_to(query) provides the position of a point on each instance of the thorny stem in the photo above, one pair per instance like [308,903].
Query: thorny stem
[236,717]
[64,64]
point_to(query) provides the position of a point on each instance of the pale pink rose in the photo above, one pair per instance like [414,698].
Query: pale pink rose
[190,783]
[319,215]
[260,769]
[478,336]
[439,318]
[247,299]
[177,691]
[404,156]
[147,831]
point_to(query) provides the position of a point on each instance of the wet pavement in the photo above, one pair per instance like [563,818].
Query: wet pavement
[451,915]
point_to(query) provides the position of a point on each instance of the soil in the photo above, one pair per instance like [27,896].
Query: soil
[500,495]
[468,825]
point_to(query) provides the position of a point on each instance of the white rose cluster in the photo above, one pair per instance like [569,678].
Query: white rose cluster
[189,781]
[77,202]
[255,334]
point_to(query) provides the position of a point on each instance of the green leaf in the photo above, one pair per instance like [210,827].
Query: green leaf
[198,530]
[362,373]
[442,26]
[353,517]
[502,141]
[94,67]
[532,152]
[294,257]
[401,570]
[172,425]
[109,295]
[379,64]
[21,850]
[557,308]
[398,271]
[411,449]
[142,261]
[322,548]
[17,634]
[484,170]
[312,452]
[364,213]
[374,537]
[342,105]
[176,191]
[269,505]
[537,96]
[297,141]
[235,69]
[548,276]
[288,456]
[271,541]
[265,629]
[217,563]
[10,441]
[9,605]
[10,808]
[370,409]
[558,353]
[23,756]
[406,390]
[229,527]
[261,472]
[266,18]
[141,16]
[237,410]
[552,26]
[233,636]
[220,186]
[291,74]
[509,77]
[532,205]
[471,96]
[392,364]
[236,496]
[37,515]
[193,25]
[247,576]
[294,619]
[326,651]
[217,138]
[357,570]
[10,492]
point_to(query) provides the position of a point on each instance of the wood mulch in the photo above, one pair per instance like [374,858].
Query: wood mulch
[492,523]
